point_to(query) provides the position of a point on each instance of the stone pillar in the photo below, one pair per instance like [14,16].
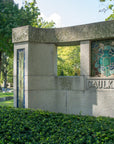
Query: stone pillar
[40,67]
[85,56]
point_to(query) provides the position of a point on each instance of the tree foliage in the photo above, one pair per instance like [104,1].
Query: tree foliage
[110,7]
[68,61]
[6,69]
[11,17]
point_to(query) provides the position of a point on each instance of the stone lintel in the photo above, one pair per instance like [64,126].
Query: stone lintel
[64,36]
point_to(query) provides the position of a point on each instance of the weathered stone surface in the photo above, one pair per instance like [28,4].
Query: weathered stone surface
[70,83]
[54,83]
[20,34]
[67,35]
[42,59]
[104,103]
[45,100]
[85,58]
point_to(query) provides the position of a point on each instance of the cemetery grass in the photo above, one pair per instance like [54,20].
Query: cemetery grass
[31,126]
[7,94]
[9,102]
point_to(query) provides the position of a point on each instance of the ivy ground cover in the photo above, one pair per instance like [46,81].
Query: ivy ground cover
[29,126]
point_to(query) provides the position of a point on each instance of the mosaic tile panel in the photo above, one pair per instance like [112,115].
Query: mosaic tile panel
[21,78]
[102,58]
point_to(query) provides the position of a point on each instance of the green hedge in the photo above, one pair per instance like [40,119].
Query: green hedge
[28,126]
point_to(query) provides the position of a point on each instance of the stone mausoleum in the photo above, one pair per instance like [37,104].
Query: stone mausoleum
[36,84]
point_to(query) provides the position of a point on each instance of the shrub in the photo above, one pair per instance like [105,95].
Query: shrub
[31,126]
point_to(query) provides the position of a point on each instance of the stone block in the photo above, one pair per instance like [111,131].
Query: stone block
[74,102]
[70,83]
[67,35]
[45,100]
[81,102]
[40,83]
[105,103]
[61,101]
[42,60]
[85,63]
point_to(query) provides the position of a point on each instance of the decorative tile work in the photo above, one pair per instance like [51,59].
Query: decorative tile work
[102,58]
[21,78]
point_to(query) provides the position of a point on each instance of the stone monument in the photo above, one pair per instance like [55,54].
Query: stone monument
[36,84]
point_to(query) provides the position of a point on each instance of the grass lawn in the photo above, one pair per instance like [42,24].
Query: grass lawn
[5,94]
[6,103]
[29,126]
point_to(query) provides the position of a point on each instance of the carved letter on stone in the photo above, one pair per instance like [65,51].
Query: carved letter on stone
[100,84]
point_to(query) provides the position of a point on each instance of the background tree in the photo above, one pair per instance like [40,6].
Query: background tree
[110,6]
[10,17]
[68,62]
